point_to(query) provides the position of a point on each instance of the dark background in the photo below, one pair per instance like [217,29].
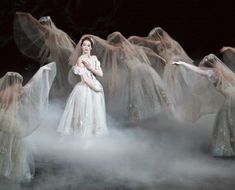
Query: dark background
[200,26]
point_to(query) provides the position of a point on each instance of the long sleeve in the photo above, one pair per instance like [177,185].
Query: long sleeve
[84,76]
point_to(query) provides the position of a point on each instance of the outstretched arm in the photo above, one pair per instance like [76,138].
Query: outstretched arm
[191,67]
[142,41]
[227,49]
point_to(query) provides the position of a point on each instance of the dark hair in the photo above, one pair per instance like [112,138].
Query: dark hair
[89,39]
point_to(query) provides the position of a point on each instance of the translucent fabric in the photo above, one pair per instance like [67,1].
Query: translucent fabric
[21,110]
[133,89]
[199,98]
[224,125]
[229,58]
[163,44]
[42,41]
[184,85]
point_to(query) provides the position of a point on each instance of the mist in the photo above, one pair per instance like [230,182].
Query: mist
[158,153]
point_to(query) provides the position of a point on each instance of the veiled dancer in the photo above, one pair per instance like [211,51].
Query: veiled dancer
[21,112]
[42,41]
[224,81]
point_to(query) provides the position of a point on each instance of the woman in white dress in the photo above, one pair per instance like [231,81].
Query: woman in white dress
[84,113]
[133,89]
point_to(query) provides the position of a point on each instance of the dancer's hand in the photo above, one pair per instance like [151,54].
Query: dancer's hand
[86,64]
[46,68]
[177,63]
[224,49]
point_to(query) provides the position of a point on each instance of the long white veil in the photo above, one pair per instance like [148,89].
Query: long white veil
[21,112]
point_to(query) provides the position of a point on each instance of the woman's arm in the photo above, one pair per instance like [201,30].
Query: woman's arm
[191,67]
[144,41]
[97,70]
[79,69]
[91,83]
[227,49]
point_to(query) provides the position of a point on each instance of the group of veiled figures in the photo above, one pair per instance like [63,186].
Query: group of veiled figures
[143,77]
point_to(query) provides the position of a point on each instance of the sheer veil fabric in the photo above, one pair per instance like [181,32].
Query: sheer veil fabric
[21,111]
[42,41]
[133,89]
[185,86]
[224,126]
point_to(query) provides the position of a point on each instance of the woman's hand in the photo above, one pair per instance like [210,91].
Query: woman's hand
[177,62]
[86,64]
[224,49]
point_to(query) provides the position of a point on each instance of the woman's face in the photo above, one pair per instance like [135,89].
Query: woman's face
[86,47]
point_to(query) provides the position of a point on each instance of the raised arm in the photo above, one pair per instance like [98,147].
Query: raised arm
[141,41]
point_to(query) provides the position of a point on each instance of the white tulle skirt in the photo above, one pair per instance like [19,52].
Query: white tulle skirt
[84,113]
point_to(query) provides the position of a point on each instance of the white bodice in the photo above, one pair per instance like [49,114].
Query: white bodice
[78,70]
